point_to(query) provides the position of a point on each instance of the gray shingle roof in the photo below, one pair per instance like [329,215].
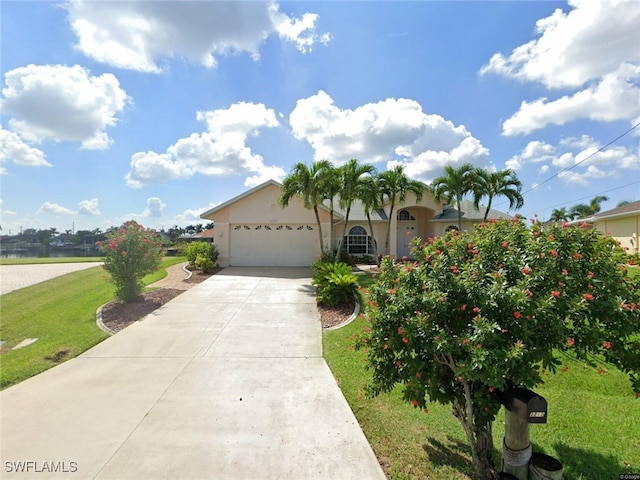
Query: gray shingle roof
[469,212]
[628,208]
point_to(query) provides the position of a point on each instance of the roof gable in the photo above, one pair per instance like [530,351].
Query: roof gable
[261,201]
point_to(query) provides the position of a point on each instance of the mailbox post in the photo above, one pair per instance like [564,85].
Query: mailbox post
[523,407]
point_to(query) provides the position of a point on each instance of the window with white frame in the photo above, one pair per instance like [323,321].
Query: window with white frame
[357,242]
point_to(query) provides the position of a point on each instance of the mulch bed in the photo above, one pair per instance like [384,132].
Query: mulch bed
[333,316]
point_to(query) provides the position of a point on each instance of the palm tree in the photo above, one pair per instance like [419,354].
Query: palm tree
[395,185]
[352,175]
[493,184]
[583,211]
[304,182]
[454,185]
[371,200]
[559,215]
[594,204]
[329,178]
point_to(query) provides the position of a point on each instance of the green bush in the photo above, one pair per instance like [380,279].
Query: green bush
[204,264]
[181,248]
[202,249]
[335,281]
[130,253]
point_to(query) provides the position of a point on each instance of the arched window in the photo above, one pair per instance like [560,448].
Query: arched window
[404,215]
[357,242]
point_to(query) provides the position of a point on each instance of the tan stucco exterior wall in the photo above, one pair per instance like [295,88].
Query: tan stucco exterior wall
[625,230]
[261,207]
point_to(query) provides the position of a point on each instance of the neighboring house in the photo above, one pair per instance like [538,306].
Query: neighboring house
[252,229]
[622,223]
[204,236]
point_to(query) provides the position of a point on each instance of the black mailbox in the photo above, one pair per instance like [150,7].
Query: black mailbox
[524,403]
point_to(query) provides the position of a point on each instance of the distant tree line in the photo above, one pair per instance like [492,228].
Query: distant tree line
[48,236]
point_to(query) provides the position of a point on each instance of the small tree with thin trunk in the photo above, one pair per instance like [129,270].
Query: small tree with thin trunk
[351,176]
[499,303]
[488,184]
[329,185]
[395,185]
[453,186]
[371,200]
[305,182]
[130,253]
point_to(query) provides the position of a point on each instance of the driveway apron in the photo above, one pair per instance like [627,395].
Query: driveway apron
[227,381]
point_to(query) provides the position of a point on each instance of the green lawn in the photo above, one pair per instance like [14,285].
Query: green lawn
[61,313]
[593,427]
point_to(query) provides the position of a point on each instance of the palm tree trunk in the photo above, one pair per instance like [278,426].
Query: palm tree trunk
[386,243]
[374,244]
[344,233]
[486,213]
[331,234]
[459,214]
[315,210]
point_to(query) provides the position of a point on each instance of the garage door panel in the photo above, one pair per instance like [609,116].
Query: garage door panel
[273,245]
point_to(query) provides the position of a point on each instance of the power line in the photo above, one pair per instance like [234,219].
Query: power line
[587,197]
[583,160]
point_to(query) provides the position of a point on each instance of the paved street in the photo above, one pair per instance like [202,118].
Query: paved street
[14,277]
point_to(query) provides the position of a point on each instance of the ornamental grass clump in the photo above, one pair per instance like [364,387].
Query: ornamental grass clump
[499,303]
[131,252]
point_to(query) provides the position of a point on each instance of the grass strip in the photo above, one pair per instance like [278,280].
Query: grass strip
[593,426]
[61,314]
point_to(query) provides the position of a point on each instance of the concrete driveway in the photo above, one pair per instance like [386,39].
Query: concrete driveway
[227,381]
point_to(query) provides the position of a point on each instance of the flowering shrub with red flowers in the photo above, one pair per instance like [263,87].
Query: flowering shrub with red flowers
[477,308]
[131,252]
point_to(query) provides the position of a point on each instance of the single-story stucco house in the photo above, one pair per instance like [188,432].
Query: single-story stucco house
[252,229]
[622,223]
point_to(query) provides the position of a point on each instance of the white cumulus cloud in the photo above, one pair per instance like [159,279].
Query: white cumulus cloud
[192,215]
[13,149]
[89,207]
[54,209]
[391,130]
[613,98]
[591,50]
[589,41]
[155,206]
[61,103]
[137,34]
[577,159]
[221,150]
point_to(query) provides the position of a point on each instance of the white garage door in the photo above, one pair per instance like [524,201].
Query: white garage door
[280,245]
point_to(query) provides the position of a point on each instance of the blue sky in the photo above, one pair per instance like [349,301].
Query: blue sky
[157,111]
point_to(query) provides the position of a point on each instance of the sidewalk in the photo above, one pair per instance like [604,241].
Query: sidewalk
[227,381]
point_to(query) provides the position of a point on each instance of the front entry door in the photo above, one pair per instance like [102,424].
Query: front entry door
[407,231]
